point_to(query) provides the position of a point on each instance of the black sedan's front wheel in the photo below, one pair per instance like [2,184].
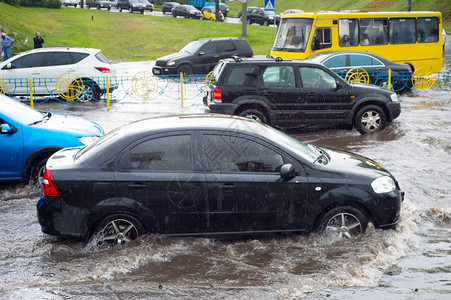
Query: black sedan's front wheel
[343,222]
[370,119]
[118,229]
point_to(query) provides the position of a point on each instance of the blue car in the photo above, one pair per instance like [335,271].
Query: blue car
[28,137]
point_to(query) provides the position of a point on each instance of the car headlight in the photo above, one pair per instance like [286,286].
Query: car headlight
[88,140]
[171,63]
[384,184]
[394,97]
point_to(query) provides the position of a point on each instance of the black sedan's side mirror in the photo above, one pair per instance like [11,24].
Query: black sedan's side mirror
[287,171]
[339,85]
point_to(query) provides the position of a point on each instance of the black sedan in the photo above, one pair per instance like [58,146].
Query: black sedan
[367,67]
[207,175]
[186,11]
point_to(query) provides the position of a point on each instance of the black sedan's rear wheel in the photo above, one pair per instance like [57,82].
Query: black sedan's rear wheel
[118,229]
[343,222]
[255,114]
[370,119]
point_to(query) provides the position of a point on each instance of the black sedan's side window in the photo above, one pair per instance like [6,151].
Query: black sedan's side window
[170,153]
[226,153]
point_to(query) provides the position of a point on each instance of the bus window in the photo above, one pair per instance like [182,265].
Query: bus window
[348,32]
[293,35]
[402,30]
[427,30]
[376,31]
[322,39]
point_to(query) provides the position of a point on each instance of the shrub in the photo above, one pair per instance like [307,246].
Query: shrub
[52,4]
[12,2]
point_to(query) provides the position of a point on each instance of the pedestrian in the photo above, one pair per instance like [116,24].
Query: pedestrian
[7,43]
[38,40]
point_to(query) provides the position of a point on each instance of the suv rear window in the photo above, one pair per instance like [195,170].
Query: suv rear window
[102,58]
[245,75]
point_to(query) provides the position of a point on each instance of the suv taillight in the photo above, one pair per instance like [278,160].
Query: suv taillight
[217,95]
[102,69]
[49,185]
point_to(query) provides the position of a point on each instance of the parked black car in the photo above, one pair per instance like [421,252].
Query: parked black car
[130,5]
[262,17]
[186,11]
[209,175]
[294,93]
[375,66]
[168,6]
[99,4]
[200,57]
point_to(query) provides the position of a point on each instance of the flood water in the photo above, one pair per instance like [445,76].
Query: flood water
[411,262]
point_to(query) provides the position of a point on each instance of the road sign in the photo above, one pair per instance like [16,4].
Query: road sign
[270,5]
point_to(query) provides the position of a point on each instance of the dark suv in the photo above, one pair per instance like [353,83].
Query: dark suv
[289,92]
[201,56]
[130,5]
[262,17]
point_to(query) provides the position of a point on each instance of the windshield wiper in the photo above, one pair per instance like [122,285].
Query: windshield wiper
[45,117]
[323,157]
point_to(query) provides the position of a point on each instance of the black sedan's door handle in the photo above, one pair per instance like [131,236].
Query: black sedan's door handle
[227,186]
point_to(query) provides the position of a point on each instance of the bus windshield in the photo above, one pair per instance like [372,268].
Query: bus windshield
[293,35]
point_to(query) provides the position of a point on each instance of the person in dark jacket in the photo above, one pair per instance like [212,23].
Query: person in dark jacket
[38,40]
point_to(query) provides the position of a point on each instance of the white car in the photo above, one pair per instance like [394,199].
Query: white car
[73,3]
[53,69]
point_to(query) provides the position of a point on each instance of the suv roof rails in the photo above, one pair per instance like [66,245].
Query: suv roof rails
[236,58]
[276,58]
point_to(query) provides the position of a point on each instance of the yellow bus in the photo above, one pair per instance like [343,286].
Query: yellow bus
[414,38]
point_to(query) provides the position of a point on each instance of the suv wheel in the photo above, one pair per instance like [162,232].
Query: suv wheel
[254,114]
[130,9]
[90,91]
[120,8]
[370,119]
[185,69]
[265,23]
[98,6]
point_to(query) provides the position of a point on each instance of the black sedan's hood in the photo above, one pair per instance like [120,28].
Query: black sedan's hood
[352,165]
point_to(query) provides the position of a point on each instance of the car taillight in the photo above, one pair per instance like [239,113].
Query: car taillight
[217,95]
[49,185]
[102,69]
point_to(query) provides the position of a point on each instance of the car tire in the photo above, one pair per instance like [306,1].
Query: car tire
[98,6]
[142,11]
[118,229]
[343,222]
[174,15]
[120,9]
[185,69]
[211,19]
[130,9]
[90,91]
[37,171]
[109,8]
[265,23]
[254,114]
[369,119]
[89,6]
